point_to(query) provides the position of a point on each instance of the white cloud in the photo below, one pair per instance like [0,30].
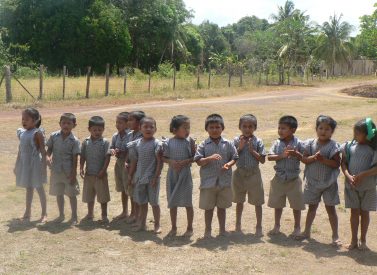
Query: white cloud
[225,12]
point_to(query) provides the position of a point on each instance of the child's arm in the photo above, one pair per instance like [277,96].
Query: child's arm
[205,161]
[273,156]
[345,171]
[103,171]
[158,169]
[73,175]
[40,142]
[259,156]
[334,162]
[82,159]
[131,172]
[368,173]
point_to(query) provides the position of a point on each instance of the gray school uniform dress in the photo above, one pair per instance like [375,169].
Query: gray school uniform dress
[179,184]
[145,154]
[29,162]
[360,157]
[321,179]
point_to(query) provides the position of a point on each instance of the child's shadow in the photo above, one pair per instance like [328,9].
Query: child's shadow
[322,250]
[17,225]
[282,239]
[54,227]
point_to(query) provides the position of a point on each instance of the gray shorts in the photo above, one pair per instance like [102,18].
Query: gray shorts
[144,193]
[365,200]
[330,195]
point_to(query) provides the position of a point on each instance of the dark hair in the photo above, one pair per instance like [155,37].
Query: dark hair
[325,119]
[138,115]
[34,114]
[96,121]
[214,118]
[68,116]
[291,121]
[362,127]
[178,121]
[123,115]
[148,119]
[250,118]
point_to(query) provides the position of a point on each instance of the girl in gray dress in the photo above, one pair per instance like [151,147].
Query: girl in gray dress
[178,153]
[31,169]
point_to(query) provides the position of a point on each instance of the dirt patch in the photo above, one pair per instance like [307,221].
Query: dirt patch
[363,91]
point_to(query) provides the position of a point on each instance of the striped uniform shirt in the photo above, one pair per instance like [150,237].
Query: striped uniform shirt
[95,152]
[318,174]
[287,168]
[361,158]
[246,159]
[211,174]
[117,140]
[63,151]
[145,153]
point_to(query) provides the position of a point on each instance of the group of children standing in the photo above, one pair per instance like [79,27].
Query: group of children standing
[140,157]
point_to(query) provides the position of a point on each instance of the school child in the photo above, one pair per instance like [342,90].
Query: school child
[31,168]
[286,183]
[215,156]
[134,119]
[145,171]
[63,149]
[322,161]
[359,159]
[247,179]
[94,160]
[178,152]
[120,171]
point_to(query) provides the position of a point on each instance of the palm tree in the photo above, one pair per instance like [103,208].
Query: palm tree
[333,43]
[284,12]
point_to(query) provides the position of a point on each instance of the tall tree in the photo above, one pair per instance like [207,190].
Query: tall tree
[366,41]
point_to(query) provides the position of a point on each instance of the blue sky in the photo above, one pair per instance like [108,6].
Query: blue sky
[224,12]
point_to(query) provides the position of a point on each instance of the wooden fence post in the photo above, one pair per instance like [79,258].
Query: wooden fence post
[198,77]
[149,81]
[41,67]
[174,77]
[241,75]
[125,81]
[209,77]
[230,76]
[107,79]
[8,86]
[88,82]
[64,72]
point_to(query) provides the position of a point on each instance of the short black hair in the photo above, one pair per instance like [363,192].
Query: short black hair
[96,121]
[68,116]
[325,119]
[248,117]
[123,115]
[214,118]
[178,121]
[35,115]
[361,126]
[138,115]
[291,121]
[148,119]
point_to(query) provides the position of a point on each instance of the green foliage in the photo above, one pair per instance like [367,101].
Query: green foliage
[366,41]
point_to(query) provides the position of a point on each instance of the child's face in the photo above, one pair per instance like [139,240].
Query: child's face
[121,124]
[214,130]
[324,131]
[183,131]
[96,132]
[247,128]
[66,126]
[148,129]
[27,121]
[285,131]
[133,124]
[360,137]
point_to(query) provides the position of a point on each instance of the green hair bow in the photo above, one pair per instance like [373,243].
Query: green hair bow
[371,131]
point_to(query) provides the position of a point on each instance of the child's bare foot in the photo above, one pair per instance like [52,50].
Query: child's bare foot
[352,245]
[302,236]
[188,233]
[336,242]
[296,232]
[130,219]
[207,234]
[258,232]
[87,218]
[104,220]
[121,216]
[172,232]
[157,229]
[25,218]
[363,246]
[238,228]
[73,221]
[139,228]
[59,219]
[223,233]
[43,219]
[275,230]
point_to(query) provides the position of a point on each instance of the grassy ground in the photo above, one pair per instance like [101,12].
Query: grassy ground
[90,248]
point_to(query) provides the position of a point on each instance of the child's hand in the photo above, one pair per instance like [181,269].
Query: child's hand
[101,174]
[49,161]
[215,157]
[82,173]
[154,182]
[72,178]
[319,157]
[243,141]
[113,152]
[130,181]
[117,152]
[175,165]
[358,179]
[126,166]
[351,179]
[226,167]
[251,147]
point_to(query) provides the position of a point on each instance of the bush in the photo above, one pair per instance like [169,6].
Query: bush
[165,69]
[26,72]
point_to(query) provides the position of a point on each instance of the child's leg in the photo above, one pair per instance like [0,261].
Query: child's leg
[278,213]
[173,219]
[239,210]
[258,214]
[297,218]
[208,215]
[104,210]
[364,229]
[190,218]
[333,219]
[142,218]
[60,201]
[125,203]
[42,198]
[90,210]
[73,202]
[355,216]
[310,216]
[221,215]
[29,199]
[156,216]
